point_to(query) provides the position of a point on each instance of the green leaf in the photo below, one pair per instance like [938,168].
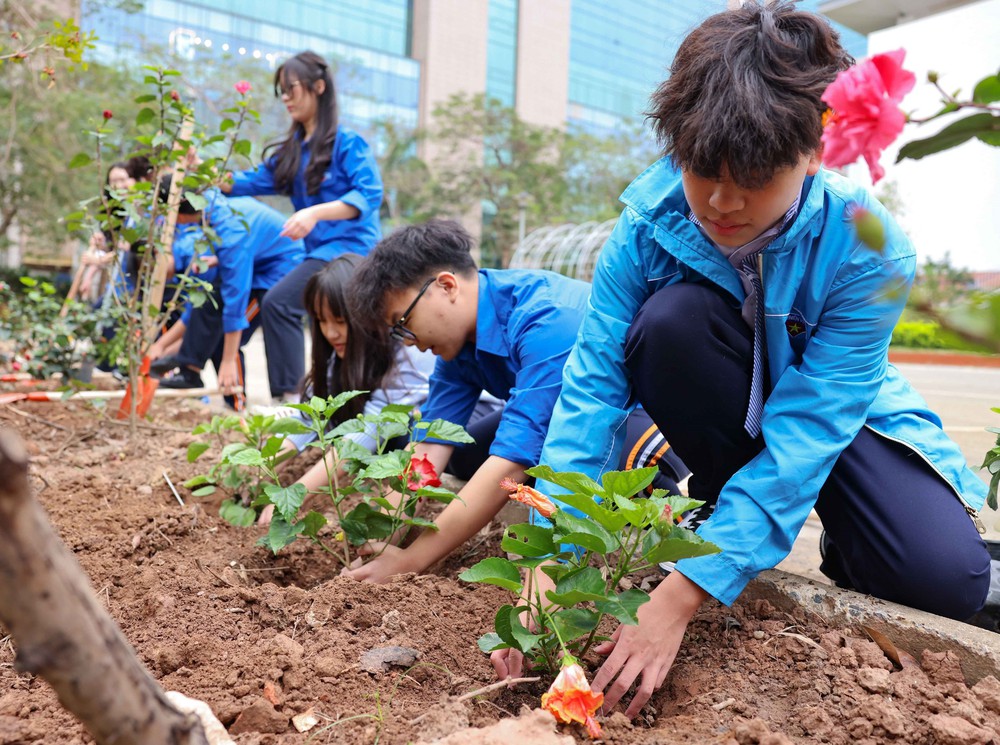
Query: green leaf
[987,90]
[387,465]
[590,507]
[242,147]
[145,116]
[195,449]
[501,622]
[572,623]
[197,201]
[272,447]
[555,572]
[579,586]
[145,98]
[524,639]
[984,126]
[679,505]
[80,160]
[286,500]
[226,124]
[633,509]
[585,533]
[628,483]
[577,483]
[365,523]
[420,522]
[204,491]
[680,544]
[624,606]
[351,426]
[439,429]
[529,540]
[312,523]
[280,534]
[436,494]
[197,481]
[246,457]
[494,571]
[491,642]
[235,513]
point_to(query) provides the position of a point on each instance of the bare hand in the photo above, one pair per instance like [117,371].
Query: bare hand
[264,518]
[649,648]
[391,561]
[229,378]
[299,225]
[508,663]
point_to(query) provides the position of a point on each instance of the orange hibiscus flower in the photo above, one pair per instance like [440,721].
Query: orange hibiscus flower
[570,699]
[531,497]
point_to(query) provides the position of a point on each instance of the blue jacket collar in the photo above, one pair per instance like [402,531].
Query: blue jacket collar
[489,330]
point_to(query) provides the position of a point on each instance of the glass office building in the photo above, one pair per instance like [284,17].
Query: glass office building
[366,40]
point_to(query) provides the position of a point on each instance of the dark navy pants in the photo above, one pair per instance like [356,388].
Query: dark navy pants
[283,315]
[897,529]
[644,447]
[204,338]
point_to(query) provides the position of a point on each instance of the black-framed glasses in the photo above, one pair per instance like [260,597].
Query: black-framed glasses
[399,330]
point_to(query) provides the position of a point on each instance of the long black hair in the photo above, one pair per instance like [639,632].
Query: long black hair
[370,352]
[308,68]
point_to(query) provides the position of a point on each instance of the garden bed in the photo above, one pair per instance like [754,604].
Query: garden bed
[264,638]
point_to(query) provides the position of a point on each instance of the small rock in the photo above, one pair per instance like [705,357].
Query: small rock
[380,659]
[942,667]
[289,646]
[987,691]
[144,491]
[392,623]
[874,680]
[955,731]
[260,716]
[328,667]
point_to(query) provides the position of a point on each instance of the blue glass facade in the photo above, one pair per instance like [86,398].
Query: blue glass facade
[366,40]
[619,52]
[501,51]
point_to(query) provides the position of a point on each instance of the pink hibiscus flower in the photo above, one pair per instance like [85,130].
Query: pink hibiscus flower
[865,116]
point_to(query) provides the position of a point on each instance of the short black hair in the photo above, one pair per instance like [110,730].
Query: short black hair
[406,258]
[744,92]
[185,208]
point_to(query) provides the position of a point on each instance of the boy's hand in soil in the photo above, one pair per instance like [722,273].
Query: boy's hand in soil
[509,663]
[649,648]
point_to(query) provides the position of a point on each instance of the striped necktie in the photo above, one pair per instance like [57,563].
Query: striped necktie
[745,260]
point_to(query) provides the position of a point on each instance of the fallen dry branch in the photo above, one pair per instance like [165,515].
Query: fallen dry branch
[64,635]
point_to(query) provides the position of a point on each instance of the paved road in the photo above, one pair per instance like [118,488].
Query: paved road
[962,397]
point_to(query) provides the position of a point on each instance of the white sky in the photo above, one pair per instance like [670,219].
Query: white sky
[951,200]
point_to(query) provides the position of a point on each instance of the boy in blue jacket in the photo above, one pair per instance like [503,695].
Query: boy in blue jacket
[735,302]
[251,256]
[506,332]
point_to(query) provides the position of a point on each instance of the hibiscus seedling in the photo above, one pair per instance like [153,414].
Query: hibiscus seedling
[385,485]
[598,535]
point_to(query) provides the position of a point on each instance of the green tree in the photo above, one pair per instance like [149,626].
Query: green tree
[485,154]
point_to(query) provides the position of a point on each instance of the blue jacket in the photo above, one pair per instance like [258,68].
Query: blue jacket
[526,324]
[831,304]
[252,253]
[352,177]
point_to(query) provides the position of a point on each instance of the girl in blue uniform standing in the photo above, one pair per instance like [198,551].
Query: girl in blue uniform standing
[331,176]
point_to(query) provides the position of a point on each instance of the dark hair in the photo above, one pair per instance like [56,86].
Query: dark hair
[117,164]
[163,194]
[139,168]
[744,92]
[370,352]
[308,68]
[406,258]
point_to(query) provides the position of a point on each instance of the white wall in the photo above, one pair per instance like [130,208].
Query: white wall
[951,199]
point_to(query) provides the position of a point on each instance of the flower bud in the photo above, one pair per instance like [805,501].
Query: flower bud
[932,77]
[107,114]
[869,227]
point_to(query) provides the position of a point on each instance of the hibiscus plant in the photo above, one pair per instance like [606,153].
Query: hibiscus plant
[385,486]
[598,536]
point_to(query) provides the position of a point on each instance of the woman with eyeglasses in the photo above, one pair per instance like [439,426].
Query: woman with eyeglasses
[331,176]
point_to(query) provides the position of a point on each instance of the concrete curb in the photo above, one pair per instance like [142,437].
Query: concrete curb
[911,630]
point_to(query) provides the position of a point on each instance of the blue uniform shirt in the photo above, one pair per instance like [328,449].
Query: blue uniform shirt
[352,177]
[252,253]
[526,326]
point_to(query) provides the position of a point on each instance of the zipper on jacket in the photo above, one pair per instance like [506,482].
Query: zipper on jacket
[972,513]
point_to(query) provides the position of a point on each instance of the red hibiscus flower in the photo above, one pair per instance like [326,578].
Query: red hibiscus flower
[570,699]
[421,473]
[865,116]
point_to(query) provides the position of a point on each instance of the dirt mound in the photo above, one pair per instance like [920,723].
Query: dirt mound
[264,639]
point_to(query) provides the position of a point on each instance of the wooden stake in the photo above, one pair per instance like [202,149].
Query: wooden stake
[63,633]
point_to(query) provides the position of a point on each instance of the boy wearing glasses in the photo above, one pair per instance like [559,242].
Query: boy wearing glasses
[506,332]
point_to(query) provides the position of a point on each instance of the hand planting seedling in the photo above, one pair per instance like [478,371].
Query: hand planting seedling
[390,482]
[603,533]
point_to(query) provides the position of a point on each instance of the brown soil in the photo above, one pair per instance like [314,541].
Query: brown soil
[264,638]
